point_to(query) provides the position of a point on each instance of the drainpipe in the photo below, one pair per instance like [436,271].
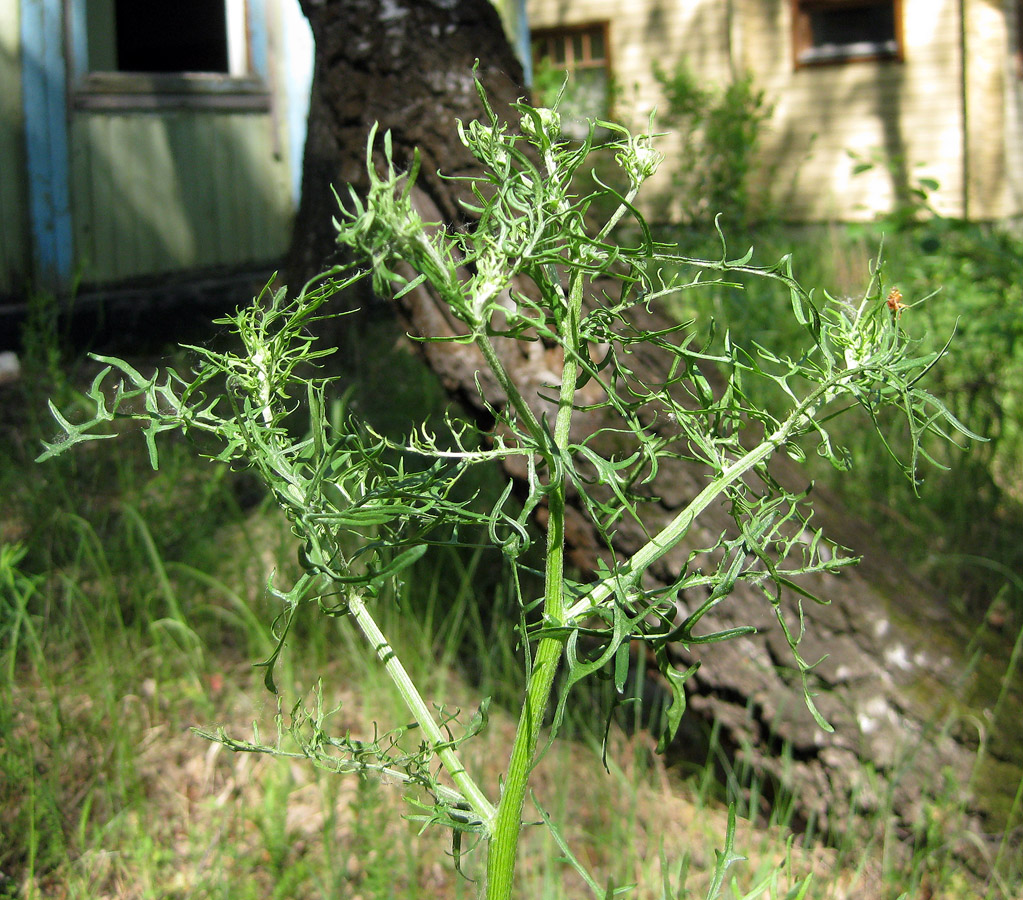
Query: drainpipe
[522,41]
[965,100]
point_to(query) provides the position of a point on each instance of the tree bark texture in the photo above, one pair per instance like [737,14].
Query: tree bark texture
[910,692]
[407,65]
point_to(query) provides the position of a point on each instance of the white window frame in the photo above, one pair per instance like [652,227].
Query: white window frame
[243,86]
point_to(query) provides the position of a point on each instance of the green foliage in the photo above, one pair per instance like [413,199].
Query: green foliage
[976,506]
[912,200]
[954,277]
[366,508]
[582,97]
[717,174]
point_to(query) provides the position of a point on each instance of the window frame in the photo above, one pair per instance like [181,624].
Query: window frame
[566,34]
[243,87]
[802,40]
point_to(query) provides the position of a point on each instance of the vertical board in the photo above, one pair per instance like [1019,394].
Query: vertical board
[14,224]
[44,84]
[1014,114]
[986,37]
[163,191]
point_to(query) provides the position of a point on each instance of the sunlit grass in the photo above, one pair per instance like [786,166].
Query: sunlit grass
[119,635]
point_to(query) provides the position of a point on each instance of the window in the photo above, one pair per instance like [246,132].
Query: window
[581,54]
[184,36]
[127,53]
[833,31]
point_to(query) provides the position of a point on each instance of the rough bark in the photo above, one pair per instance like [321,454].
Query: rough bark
[897,684]
[407,65]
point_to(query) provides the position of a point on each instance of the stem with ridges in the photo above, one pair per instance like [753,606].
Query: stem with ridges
[503,848]
[676,529]
[417,706]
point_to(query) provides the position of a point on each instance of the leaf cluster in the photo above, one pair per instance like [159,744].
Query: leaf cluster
[532,266]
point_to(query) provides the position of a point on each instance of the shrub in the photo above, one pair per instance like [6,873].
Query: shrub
[364,507]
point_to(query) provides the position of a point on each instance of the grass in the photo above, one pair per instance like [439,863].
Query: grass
[957,279]
[133,605]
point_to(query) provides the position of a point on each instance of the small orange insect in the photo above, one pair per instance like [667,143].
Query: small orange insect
[895,303]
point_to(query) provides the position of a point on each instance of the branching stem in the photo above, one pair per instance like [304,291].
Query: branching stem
[471,792]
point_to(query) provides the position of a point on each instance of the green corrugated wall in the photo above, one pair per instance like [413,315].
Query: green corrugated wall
[14,261]
[160,191]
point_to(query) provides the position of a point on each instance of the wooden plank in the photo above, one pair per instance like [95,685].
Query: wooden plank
[43,91]
[106,240]
[14,224]
[190,143]
[160,192]
[267,204]
[83,200]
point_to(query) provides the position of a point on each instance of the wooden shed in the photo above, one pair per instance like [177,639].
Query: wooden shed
[138,139]
[929,89]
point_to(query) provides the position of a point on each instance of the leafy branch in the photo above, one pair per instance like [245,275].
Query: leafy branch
[533,266]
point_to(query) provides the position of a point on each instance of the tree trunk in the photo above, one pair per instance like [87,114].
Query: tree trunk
[407,65]
[900,684]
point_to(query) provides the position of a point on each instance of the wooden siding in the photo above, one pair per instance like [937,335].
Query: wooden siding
[14,227]
[992,93]
[640,32]
[907,115]
[1014,114]
[154,192]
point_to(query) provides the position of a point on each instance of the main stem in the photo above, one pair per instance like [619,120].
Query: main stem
[503,847]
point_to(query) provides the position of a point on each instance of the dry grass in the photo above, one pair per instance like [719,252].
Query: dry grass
[155,811]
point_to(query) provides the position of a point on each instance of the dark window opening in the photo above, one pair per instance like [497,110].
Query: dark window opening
[844,30]
[183,36]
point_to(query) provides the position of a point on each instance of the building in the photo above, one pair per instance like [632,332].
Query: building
[139,139]
[930,90]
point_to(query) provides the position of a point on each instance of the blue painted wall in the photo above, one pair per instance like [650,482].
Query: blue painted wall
[44,80]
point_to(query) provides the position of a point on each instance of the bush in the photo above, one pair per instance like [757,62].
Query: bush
[720,132]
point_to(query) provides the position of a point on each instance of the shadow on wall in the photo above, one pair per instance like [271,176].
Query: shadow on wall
[177,189]
[904,118]
[842,123]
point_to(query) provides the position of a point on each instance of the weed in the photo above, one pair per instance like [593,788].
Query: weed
[717,176]
[366,508]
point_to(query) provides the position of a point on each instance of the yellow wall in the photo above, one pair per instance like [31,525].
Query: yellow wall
[909,115]
[992,110]
[639,32]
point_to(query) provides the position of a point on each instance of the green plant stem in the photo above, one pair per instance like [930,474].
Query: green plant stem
[503,848]
[471,792]
[676,529]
